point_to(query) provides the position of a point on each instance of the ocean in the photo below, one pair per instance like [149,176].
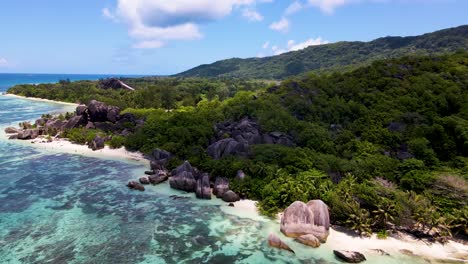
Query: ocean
[10,79]
[58,207]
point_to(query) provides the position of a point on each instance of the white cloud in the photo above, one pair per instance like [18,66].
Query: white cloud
[153,21]
[293,46]
[329,6]
[281,26]
[109,15]
[252,15]
[266,45]
[4,62]
[149,44]
[295,7]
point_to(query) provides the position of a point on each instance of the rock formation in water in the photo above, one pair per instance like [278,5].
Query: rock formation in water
[275,241]
[135,186]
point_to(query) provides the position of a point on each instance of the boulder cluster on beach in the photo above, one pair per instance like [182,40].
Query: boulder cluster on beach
[309,224]
[95,115]
[185,178]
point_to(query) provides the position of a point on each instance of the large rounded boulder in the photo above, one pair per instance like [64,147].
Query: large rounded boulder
[297,220]
[321,214]
[301,219]
[230,197]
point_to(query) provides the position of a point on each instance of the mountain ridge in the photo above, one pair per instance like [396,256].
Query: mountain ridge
[343,55]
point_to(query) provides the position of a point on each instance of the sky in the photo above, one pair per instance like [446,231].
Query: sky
[161,37]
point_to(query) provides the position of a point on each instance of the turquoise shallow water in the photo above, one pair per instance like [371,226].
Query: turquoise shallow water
[63,208]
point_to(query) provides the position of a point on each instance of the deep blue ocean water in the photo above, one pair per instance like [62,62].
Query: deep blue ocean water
[10,79]
[57,207]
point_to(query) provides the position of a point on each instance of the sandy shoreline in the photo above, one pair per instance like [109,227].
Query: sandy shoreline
[342,240]
[65,146]
[39,99]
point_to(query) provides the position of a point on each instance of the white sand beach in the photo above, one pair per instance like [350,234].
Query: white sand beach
[39,99]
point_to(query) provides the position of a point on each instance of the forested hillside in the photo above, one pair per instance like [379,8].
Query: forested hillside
[385,146]
[335,56]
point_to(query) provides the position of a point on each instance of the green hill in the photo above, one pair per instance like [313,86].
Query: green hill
[335,56]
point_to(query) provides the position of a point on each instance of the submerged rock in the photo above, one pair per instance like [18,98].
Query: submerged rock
[230,197]
[135,186]
[275,241]
[309,240]
[349,256]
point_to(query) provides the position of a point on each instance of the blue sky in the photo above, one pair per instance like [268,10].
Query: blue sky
[169,36]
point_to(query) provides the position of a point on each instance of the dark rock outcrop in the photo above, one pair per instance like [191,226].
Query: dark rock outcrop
[97,143]
[28,134]
[97,111]
[81,110]
[203,190]
[158,177]
[235,138]
[349,256]
[75,121]
[113,114]
[135,186]
[186,166]
[275,241]
[11,130]
[184,181]
[230,197]
[144,180]
[221,186]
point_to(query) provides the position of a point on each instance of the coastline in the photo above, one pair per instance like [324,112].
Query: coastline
[39,99]
[339,240]
[65,146]
[401,245]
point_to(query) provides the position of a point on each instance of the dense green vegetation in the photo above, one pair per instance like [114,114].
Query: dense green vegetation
[384,145]
[336,56]
[151,92]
